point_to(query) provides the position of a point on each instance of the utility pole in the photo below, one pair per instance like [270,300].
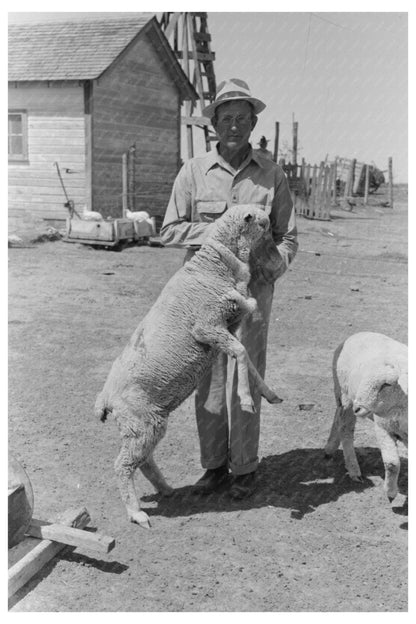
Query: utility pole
[295,140]
[276,140]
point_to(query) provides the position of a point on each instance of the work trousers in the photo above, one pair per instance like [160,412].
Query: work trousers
[228,434]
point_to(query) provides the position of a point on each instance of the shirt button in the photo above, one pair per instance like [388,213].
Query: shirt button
[234,199]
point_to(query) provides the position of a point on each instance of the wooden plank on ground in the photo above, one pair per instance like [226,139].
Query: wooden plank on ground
[22,571]
[70,536]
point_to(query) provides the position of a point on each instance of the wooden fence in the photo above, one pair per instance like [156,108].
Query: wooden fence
[315,188]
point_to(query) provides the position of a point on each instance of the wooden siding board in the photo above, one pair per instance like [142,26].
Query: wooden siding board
[56,133]
[133,105]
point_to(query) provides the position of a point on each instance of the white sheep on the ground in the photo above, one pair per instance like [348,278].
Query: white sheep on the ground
[91,215]
[370,373]
[138,215]
[177,342]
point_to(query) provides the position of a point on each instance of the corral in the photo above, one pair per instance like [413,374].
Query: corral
[309,539]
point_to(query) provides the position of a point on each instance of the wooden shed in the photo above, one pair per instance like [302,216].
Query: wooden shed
[81,93]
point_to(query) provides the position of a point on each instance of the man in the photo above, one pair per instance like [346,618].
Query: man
[205,187]
[262,150]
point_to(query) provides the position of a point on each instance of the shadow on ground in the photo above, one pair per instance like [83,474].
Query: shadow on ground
[67,554]
[300,480]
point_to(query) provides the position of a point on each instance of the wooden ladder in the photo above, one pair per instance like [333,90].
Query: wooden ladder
[190,40]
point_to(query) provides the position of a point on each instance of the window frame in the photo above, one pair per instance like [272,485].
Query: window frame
[23,156]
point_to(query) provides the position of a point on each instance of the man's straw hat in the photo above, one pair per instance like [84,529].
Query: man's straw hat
[231,90]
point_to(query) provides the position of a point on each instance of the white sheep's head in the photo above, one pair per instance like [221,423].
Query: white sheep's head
[382,391]
[240,228]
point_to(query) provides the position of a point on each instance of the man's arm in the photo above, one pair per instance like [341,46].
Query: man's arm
[279,245]
[283,222]
[177,229]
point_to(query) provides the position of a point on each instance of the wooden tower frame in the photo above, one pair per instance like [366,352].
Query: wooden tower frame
[190,40]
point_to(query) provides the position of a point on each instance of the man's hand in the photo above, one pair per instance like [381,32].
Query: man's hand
[266,263]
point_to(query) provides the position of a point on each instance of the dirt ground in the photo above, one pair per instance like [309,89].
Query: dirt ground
[309,539]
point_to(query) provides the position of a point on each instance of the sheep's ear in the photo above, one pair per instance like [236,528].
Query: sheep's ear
[248,217]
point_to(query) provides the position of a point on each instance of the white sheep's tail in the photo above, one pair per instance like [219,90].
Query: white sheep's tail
[101,408]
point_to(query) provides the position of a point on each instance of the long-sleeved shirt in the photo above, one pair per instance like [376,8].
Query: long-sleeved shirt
[206,186]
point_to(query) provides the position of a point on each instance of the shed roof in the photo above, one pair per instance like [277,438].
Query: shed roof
[83,50]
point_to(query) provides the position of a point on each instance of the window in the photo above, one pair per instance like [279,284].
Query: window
[17,135]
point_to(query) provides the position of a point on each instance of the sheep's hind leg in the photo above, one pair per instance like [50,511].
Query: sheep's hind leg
[152,472]
[125,467]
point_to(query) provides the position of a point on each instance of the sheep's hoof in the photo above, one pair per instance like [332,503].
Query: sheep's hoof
[392,495]
[357,478]
[274,399]
[141,518]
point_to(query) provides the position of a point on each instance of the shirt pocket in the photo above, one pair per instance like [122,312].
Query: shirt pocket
[208,210]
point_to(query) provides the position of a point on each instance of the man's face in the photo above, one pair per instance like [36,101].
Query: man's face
[234,123]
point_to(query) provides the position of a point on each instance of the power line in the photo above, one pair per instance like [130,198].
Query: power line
[307,44]
[324,19]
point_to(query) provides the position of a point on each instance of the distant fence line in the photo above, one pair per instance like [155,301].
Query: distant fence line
[315,188]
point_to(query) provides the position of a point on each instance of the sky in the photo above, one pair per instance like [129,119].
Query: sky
[343,76]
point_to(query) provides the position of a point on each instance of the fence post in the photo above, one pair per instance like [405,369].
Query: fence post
[131,166]
[307,181]
[350,180]
[335,180]
[330,185]
[295,143]
[313,191]
[391,182]
[319,187]
[276,141]
[366,184]
[124,183]
[352,176]
[324,207]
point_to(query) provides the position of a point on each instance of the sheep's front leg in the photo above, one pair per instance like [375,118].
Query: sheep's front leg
[391,458]
[138,440]
[221,339]
[334,438]
[347,421]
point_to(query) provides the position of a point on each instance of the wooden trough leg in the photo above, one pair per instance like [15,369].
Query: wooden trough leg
[22,571]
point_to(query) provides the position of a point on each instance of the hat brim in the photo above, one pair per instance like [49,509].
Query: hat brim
[258,105]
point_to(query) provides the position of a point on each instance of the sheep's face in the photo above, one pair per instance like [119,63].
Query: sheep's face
[384,394]
[253,222]
[241,227]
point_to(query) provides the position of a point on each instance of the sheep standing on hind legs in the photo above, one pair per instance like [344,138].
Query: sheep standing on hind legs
[371,380]
[177,342]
